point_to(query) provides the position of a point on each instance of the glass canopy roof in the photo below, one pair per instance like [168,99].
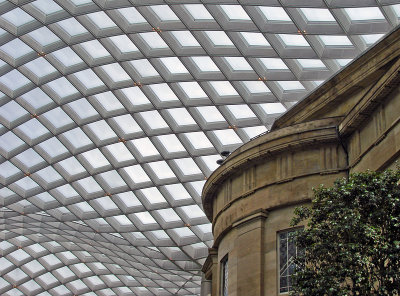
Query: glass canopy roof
[114,112]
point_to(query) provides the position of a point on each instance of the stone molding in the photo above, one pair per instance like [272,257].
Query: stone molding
[266,148]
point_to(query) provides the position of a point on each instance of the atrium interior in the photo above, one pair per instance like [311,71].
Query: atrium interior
[113,114]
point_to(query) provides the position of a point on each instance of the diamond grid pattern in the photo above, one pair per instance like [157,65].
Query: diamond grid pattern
[113,113]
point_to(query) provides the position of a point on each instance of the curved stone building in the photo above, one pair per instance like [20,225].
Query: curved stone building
[351,123]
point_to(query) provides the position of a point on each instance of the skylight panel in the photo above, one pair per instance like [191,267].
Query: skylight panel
[311,63]
[27,184]
[335,40]
[40,67]
[227,137]
[17,275]
[12,111]
[255,39]
[17,17]
[193,211]
[364,13]
[145,218]
[371,38]
[168,215]
[123,220]
[199,140]
[144,68]
[53,147]
[101,131]
[84,207]
[174,65]
[219,38]
[164,13]
[29,158]
[136,174]
[19,255]
[255,130]
[241,111]
[128,201]
[135,96]
[318,82]
[238,63]
[183,232]
[67,57]
[119,152]
[154,119]
[163,92]
[90,187]
[177,191]
[275,14]
[95,49]
[123,43]
[256,87]
[291,85]
[127,125]
[145,147]
[47,6]
[162,170]
[235,12]
[88,78]
[16,48]
[187,166]
[293,40]
[77,138]
[274,64]
[132,15]
[72,27]
[223,88]
[81,2]
[185,38]
[198,12]
[101,20]
[205,64]
[343,62]
[57,118]
[210,113]
[181,116]
[192,89]
[108,102]
[7,170]
[115,72]
[171,143]
[14,80]
[44,36]
[317,14]
[32,129]
[72,166]
[273,108]
[153,40]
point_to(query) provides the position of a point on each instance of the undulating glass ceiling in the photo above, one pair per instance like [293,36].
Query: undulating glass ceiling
[114,112]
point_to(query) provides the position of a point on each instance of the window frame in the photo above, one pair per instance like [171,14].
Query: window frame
[297,251]
[224,276]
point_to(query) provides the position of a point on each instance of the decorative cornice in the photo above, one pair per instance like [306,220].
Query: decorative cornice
[364,108]
[286,139]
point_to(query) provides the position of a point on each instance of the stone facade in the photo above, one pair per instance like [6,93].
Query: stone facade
[349,124]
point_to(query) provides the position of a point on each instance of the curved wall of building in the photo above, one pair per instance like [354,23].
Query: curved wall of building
[251,198]
[350,124]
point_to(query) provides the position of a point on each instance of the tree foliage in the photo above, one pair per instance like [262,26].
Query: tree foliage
[352,240]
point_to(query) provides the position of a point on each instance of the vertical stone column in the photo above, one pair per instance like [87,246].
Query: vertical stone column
[250,254]
[210,272]
[205,286]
